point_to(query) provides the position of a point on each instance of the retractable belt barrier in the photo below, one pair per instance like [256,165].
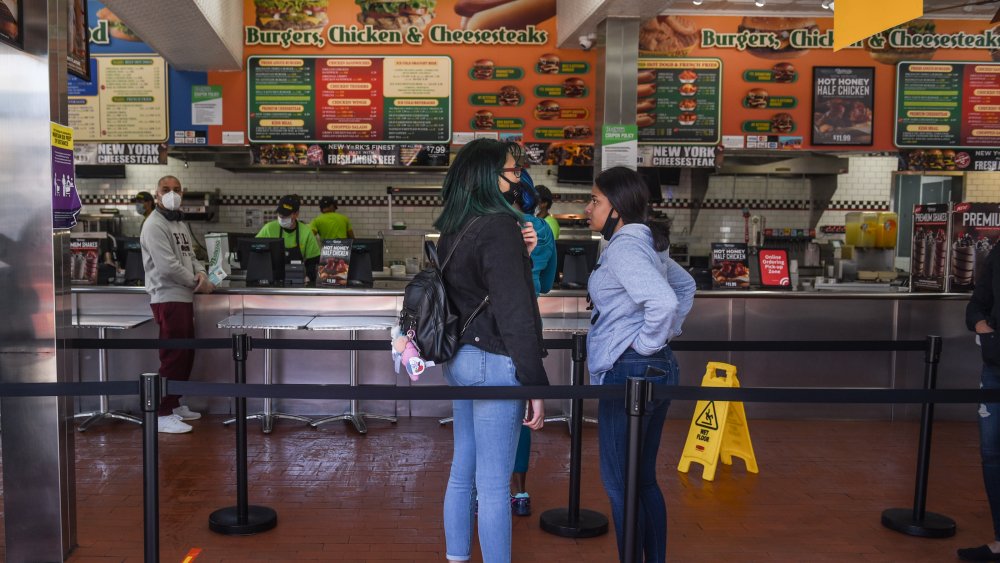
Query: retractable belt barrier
[241,519]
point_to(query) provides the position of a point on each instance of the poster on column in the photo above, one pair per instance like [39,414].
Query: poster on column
[65,199]
[929,257]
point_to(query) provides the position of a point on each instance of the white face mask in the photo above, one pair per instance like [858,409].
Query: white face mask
[171,201]
[286,222]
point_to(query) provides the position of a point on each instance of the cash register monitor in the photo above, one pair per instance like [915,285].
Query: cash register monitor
[366,257]
[263,259]
[129,254]
[575,259]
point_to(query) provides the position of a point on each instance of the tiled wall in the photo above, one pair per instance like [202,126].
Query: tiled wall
[785,203]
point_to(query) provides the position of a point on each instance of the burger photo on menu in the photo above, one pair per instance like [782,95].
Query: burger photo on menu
[783,73]
[482,69]
[507,14]
[672,36]
[381,14]
[889,55]
[574,87]
[756,98]
[577,132]
[483,119]
[291,14]
[10,27]
[116,27]
[782,123]
[548,64]
[780,27]
[547,109]
[509,96]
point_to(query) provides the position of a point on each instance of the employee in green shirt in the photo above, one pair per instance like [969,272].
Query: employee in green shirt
[300,244]
[544,204]
[331,224]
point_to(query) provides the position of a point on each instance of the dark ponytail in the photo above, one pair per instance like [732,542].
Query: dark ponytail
[629,196]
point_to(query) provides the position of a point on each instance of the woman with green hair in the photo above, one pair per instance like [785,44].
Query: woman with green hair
[488,282]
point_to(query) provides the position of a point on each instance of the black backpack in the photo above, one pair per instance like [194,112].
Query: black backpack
[427,316]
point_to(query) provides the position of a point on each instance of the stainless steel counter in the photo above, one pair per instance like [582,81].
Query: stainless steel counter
[717,315]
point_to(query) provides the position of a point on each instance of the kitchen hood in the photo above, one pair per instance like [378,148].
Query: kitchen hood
[761,163]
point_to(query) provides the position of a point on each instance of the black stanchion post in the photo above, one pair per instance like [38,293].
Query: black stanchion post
[243,519]
[636,395]
[917,521]
[150,400]
[574,522]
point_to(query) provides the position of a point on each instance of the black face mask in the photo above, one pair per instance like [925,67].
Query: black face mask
[513,195]
[169,215]
[609,225]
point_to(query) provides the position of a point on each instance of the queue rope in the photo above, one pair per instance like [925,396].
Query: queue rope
[550,344]
[445,392]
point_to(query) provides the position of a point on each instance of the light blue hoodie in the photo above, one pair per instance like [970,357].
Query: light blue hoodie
[640,298]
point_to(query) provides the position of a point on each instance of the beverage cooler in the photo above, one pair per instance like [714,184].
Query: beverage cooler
[951,243]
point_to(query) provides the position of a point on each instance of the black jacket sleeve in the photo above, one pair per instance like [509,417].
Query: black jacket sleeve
[506,272]
[981,305]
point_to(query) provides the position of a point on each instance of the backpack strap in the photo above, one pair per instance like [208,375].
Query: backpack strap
[451,250]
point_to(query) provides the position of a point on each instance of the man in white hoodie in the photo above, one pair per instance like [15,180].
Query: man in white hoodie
[173,276]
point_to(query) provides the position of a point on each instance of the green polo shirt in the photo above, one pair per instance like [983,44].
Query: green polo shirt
[553,224]
[307,242]
[331,225]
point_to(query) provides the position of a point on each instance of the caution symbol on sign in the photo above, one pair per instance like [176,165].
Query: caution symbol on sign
[718,429]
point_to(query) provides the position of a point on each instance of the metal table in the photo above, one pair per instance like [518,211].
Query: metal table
[102,323]
[353,324]
[573,325]
[267,323]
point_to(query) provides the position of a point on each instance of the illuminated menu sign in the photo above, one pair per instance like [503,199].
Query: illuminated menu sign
[349,99]
[947,105]
[679,101]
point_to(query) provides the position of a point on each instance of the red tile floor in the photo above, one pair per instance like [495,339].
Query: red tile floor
[348,498]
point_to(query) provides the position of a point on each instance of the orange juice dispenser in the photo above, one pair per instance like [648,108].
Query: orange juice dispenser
[852,229]
[887,230]
[869,229]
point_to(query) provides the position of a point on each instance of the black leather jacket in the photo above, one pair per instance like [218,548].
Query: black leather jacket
[491,259]
[985,302]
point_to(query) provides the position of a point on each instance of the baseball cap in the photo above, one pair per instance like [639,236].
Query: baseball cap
[287,205]
[327,201]
[142,196]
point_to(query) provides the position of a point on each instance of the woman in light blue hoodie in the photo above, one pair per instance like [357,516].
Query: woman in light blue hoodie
[641,297]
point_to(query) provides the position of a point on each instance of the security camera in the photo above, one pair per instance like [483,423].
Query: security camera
[587,41]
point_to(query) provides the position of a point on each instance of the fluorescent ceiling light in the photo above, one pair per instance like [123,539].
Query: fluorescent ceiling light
[697,2]
[759,3]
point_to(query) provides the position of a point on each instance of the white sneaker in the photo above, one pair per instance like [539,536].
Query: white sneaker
[186,414]
[171,424]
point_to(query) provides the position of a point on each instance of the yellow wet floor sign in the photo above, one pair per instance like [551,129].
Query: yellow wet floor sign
[718,428]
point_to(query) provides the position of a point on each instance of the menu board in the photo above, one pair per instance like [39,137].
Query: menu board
[947,105]
[730,266]
[679,101]
[843,105]
[975,230]
[125,100]
[930,248]
[349,99]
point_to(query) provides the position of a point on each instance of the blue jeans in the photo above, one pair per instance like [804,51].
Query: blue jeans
[989,445]
[652,532]
[485,442]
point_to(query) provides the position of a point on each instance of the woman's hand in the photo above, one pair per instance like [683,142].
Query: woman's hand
[535,417]
[530,237]
[982,327]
